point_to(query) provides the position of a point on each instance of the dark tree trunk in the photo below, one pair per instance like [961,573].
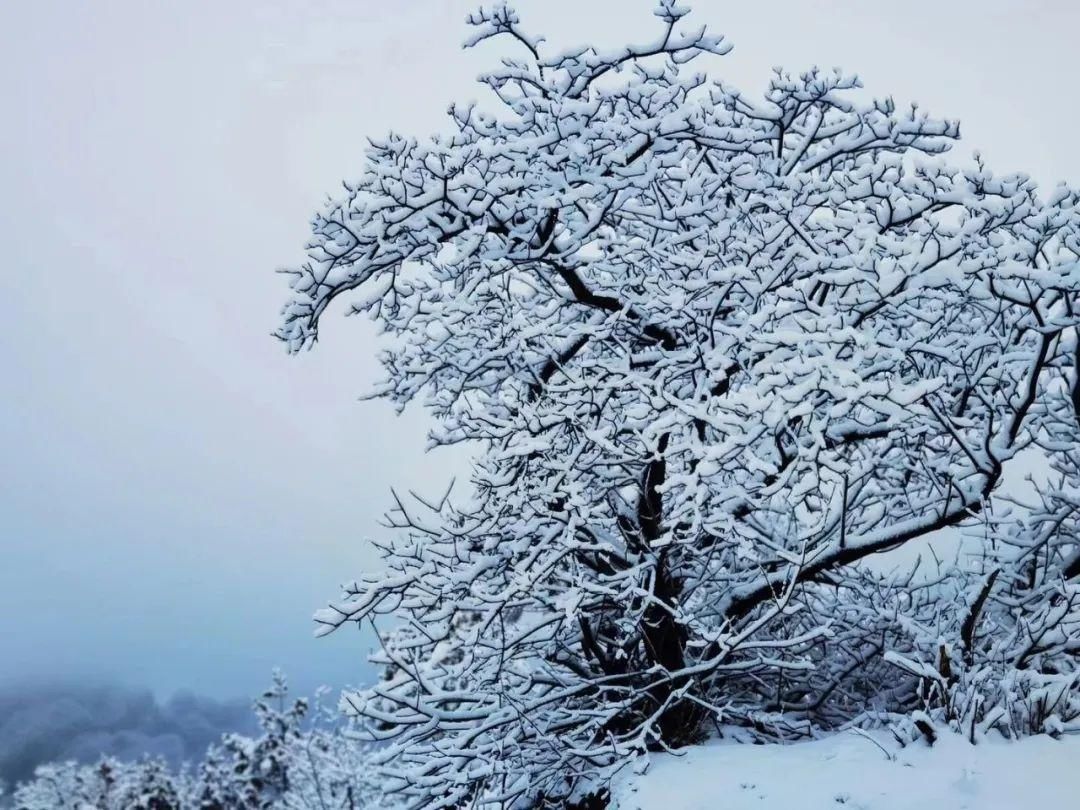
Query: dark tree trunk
[664,638]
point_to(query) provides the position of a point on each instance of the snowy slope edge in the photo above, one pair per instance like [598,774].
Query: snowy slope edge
[847,770]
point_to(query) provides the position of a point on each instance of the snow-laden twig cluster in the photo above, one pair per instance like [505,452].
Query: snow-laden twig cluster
[718,353]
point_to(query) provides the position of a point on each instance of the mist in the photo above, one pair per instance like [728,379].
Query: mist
[177,496]
[83,722]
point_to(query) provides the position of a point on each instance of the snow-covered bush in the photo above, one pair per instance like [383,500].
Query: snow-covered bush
[1007,659]
[715,353]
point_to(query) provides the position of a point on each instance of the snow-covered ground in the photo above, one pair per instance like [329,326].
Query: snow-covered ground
[850,771]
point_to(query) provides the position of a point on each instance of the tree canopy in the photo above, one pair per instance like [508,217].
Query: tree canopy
[717,352]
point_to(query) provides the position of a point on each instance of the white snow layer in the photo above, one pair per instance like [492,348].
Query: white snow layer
[850,771]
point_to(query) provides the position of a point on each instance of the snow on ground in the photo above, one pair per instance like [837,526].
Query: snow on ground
[850,771]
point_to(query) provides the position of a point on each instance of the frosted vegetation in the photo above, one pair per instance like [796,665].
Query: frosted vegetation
[303,758]
[730,364]
[717,353]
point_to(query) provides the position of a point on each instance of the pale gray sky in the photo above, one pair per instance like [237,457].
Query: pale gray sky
[176,495]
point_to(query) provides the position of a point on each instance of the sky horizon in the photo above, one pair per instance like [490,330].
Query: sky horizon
[178,495]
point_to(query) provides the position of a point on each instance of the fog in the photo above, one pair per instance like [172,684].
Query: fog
[48,723]
[177,496]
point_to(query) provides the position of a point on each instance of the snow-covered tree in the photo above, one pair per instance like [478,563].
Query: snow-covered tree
[217,785]
[253,773]
[55,787]
[151,786]
[108,785]
[716,352]
[304,760]
[330,768]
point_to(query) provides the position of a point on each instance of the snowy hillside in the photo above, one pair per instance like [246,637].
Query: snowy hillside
[851,771]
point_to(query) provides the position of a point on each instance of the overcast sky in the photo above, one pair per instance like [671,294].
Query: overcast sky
[177,496]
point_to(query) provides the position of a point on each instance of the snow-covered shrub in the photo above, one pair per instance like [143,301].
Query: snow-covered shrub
[329,767]
[998,649]
[715,353]
[1007,659]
